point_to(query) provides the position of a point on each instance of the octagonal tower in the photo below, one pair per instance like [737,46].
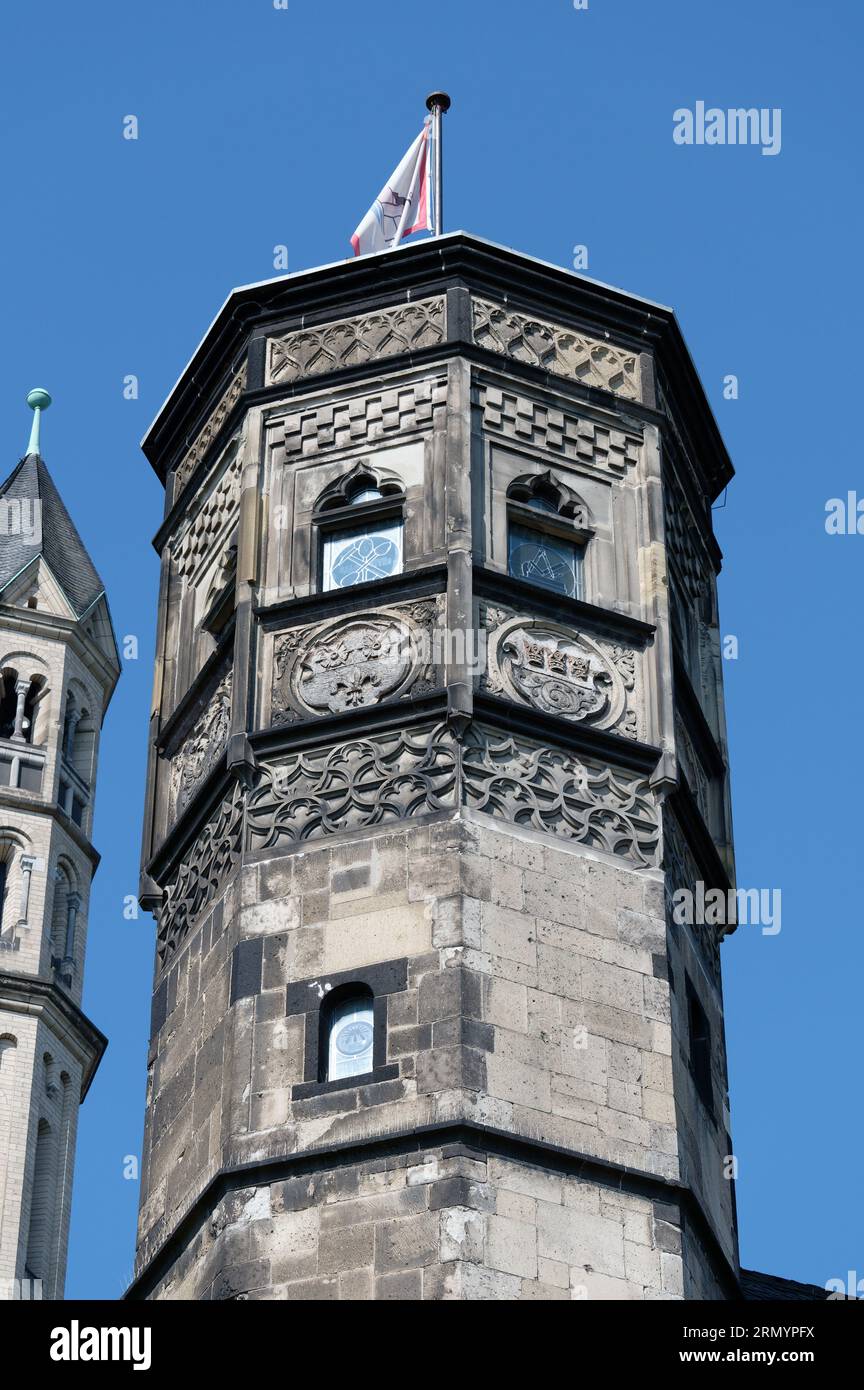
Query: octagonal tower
[437,730]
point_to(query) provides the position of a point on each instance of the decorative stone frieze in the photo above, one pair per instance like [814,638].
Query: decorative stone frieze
[202,747]
[202,876]
[362,420]
[393,776]
[558,431]
[563,351]
[190,460]
[548,789]
[312,351]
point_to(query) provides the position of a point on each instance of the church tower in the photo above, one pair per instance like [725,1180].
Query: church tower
[58,669]
[437,732]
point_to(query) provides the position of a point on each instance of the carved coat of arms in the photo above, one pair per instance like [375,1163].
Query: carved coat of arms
[349,664]
[557,670]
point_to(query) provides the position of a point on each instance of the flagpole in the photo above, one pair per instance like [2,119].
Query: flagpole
[438,103]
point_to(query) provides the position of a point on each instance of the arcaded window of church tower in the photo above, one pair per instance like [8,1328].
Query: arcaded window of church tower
[20,698]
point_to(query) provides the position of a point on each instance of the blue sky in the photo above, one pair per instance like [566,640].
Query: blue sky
[262,126]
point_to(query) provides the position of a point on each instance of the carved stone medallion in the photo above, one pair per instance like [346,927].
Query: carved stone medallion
[557,670]
[352,662]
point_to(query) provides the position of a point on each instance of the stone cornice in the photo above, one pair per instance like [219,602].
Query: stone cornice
[34,996]
[451,264]
[34,804]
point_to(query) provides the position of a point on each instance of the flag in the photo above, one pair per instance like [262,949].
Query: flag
[403,205]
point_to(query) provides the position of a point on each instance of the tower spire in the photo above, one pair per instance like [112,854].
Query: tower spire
[38,400]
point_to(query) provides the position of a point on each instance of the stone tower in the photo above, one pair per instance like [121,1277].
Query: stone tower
[58,667]
[437,732]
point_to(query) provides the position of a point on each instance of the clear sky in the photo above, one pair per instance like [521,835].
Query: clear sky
[260,127]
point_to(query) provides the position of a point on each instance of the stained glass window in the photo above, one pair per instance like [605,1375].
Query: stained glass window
[350,1038]
[549,561]
[361,555]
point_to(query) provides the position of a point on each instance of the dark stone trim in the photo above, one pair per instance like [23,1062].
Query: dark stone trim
[305,997]
[47,992]
[693,715]
[471,1137]
[308,1090]
[517,593]
[247,961]
[396,588]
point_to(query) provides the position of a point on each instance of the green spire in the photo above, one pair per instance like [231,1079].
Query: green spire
[38,400]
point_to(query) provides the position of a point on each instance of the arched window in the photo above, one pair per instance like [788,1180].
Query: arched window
[19,703]
[82,749]
[64,920]
[8,1044]
[8,702]
[360,524]
[348,1033]
[548,531]
[41,1203]
[15,871]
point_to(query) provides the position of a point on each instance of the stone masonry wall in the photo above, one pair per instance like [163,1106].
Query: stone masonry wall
[444,1223]
[525,992]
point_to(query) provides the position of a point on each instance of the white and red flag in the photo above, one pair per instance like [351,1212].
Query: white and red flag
[404,204]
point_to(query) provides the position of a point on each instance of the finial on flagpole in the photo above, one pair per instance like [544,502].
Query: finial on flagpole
[439,104]
[38,400]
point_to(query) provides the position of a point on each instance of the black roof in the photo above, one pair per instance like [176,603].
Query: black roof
[770,1288]
[59,543]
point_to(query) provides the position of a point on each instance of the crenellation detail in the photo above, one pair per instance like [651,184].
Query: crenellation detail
[196,544]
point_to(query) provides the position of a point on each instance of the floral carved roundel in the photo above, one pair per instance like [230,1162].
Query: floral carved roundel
[355,662]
